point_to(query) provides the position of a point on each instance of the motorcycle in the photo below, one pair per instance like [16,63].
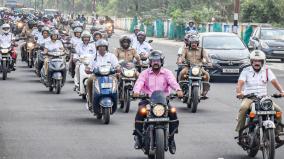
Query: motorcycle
[39,60]
[127,82]
[156,125]
[84,61]
[28,52]
[104,93]
[19,25]
[56,75]
[192,86]
[5,59]
[65,39]
[259,130]
[71,63]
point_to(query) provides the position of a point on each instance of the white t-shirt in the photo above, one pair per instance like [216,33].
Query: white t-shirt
[54,46]
[145,47]
[7,38]
[256,82]
[41,41]
[108,58]
[83,49]
[75,41]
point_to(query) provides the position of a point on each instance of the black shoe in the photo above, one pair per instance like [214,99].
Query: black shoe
[137,144]
[13,69]
[172,146]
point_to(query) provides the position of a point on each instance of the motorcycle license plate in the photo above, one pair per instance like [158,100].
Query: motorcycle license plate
[158,119]
[227,70]
[106,85]
[265,112]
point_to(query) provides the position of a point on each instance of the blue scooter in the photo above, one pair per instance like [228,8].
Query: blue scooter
[104,93]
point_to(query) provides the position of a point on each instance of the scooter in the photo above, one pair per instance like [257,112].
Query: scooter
[104,93]
[56,74]
[5,59]
[84,61]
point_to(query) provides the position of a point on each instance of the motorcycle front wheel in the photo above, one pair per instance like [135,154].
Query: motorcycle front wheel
[57,86]
[268,150]
[126,101]
[195,99]
[106,115]
[4,70]
[160,144]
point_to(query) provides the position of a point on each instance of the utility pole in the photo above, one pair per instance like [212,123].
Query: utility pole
[236,16]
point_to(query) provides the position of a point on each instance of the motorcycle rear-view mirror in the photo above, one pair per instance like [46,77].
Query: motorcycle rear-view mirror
[150,41]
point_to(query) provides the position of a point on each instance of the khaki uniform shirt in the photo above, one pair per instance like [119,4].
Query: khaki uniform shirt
[127,55]
[195,56]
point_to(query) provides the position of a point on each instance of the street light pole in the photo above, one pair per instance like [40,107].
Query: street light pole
[236,16]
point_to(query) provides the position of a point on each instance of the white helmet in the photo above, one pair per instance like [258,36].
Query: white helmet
[6,28]
[86,33]
[78,30]
[257,55]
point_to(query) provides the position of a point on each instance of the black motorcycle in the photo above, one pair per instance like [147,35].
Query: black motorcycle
[259,130]
[5,59]
[192,87]
[156,125]
[127,81]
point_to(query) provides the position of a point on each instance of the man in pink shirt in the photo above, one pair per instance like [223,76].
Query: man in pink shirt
[153,79]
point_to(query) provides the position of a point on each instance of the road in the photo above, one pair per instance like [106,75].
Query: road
[37,124]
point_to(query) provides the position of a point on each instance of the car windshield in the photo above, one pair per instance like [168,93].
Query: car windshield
[272,34]
[223,42]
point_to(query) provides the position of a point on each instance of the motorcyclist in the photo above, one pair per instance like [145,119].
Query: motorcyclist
[134,36]
[97,35]
[254,79]
[36,32]
[142,47]
[8,37]
[190,27]
[65,25]
[102,57]
[147,84]
[196,56]
[82,49]
[41,44]
[76,39]
[125,52]
[27,30]
[53,45]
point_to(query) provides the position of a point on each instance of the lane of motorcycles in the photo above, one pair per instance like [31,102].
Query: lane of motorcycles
[258,134]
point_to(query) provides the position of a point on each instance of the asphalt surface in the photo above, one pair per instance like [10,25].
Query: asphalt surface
[37,124]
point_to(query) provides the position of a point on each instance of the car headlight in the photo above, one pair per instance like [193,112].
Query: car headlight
[266,104]
[264,45]
[195,71]
[30,45]
[4,51]
[159,110]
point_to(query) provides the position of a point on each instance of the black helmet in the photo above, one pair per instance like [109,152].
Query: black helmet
[156,55]
[31,24]
[124,38]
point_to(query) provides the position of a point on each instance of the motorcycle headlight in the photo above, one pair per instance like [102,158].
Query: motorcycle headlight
[266,104]
[5,51]
[128,73]
[195,71]
[159,110]
[104,70]
[20,25]
[264,45]
[30,45]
